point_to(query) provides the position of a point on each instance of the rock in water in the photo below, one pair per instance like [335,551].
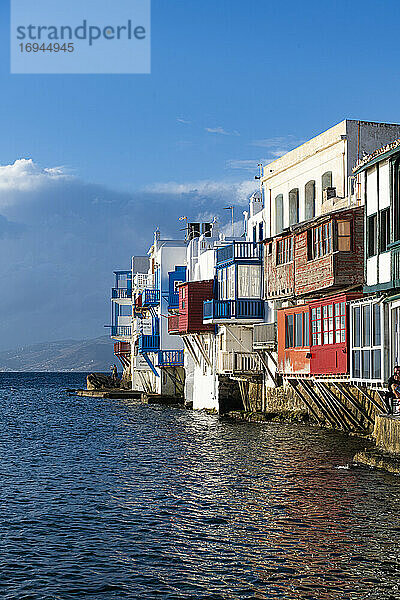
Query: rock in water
[99,381]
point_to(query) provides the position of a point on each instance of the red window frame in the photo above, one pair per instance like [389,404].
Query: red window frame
[328,324]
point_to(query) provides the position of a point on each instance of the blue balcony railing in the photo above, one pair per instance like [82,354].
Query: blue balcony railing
[149,343]
[170,358]
[121,331]
[121,293]
[238,251]
[233,309]
[173,300]
[150,297]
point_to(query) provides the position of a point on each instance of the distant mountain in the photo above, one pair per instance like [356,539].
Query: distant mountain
[68,355]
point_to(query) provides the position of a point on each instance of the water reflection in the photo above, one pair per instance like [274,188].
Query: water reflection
[105,499]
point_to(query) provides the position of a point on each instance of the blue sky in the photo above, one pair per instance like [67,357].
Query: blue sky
[232,83]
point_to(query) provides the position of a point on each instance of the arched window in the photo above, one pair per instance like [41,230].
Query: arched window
[326,180]
[294,206]
[309,194]
[279,213]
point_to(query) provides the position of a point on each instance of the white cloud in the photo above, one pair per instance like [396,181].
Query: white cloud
[184,121]
[218,190]
[221,131]
[26,176]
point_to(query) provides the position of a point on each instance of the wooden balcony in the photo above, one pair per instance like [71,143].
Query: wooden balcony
[170,358]
[173,324]
[123,331]
[149,343]
[121,293]
[150,298]
[226,310]
[239,362]
[239,251]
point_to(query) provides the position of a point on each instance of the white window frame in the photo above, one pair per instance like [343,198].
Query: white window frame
[371,347]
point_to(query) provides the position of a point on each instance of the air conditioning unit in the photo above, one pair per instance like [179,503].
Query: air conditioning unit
[264,336]
[328,193]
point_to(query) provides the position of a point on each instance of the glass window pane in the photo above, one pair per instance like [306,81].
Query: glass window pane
[356,364]
[356,327]
[306,328]
[366,367]
[298,331]
[366,325]
[289,331]
[377,325]
[376,364]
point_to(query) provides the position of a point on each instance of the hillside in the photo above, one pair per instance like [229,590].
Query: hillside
[67,355]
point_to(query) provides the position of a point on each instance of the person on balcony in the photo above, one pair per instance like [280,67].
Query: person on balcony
[393,390]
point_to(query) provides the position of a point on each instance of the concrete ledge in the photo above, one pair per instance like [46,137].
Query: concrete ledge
[115,393]
[387,433]
[256,417]
[378,460]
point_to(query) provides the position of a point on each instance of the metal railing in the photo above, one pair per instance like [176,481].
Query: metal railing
[239,251]
[173,323]
[239,362]
[150,297]
[170,358]
[121,293]
[264,335]
[149,343]
[233,309]
[121,331]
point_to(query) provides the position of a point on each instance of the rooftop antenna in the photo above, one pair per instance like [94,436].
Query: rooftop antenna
[185,228]
[259,176]
[232,217]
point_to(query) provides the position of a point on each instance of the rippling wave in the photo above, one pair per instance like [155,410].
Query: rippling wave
[106,499]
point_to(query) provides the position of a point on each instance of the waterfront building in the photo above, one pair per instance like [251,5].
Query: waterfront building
[375,320]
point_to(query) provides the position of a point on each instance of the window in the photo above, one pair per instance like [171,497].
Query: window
[367,341]
[293,206]
[249,281]
[270,248]
[384,230]
[356,364]
[289,331]
[260,231]
[320,241]
[376,327]
[344,236]
[316,326]
[226,283]
[284,251]
[326,180]
[309,193]
[366,312]
[357,326]
[279,213]
[396,201]
[254,234]
[297,330]
[372,235]
[340,322]
[306,328]
[328,324]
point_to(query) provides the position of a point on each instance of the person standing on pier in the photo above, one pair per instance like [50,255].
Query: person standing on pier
[114,375]
[393,389]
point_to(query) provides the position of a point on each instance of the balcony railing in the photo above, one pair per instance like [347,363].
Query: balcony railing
[173,323]
[173,300]
[264,336]
[233,309]
[149,343]
[121,293]
[170,358]
[239,362]
[122,348]
[150,297]
[121,331]
[396,266]
[239,251]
